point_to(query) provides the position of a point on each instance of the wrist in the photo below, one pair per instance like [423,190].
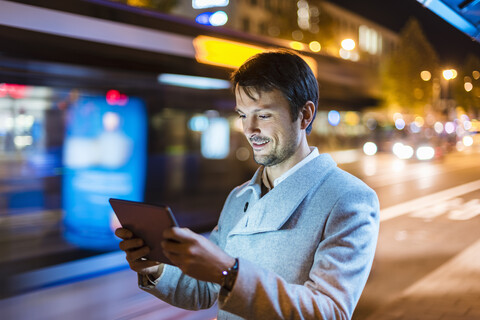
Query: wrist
[153,277]
[229,276]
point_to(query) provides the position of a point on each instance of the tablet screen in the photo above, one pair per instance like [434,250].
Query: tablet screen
[146,222]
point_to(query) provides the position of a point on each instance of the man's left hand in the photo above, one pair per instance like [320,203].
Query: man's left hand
[195,255]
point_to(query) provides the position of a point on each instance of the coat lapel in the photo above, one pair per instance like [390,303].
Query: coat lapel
[271,211]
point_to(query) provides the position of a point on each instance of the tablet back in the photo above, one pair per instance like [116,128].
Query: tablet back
[146,222]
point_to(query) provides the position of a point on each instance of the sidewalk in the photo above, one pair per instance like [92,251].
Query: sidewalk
[450,292]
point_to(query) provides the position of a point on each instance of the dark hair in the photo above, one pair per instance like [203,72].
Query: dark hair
[282,70]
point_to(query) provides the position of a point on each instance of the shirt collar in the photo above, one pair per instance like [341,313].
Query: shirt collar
[261,177]
[312,155]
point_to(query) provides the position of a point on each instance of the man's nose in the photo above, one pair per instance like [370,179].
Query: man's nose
[250,126]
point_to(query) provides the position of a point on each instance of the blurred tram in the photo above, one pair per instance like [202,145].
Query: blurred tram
[56,53]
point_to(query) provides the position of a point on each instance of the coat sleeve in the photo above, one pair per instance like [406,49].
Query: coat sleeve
[341,266]
[181,290]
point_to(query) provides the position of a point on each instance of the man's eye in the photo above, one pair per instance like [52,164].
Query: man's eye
[264,116]
[241,116]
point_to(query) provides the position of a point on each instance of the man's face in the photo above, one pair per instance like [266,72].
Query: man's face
[268,126]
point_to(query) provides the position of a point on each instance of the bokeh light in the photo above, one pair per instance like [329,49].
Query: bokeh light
[467,141]
[400,124]
[468,86]
[334,117]
[449,74]
[402,151]
[348,44]
[438,127]
[425,75]
[449,127]
[370,148]
[425,153]
[315,46]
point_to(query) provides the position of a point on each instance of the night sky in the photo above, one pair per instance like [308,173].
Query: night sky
[451,44]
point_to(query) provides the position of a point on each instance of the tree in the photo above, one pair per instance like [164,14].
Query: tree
[402,84]
[470,73]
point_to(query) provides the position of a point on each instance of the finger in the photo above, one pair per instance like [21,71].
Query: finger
[135,255]
[141,265]
[174,258]
[174,247]
[179,234]
[131,244]
[123,233]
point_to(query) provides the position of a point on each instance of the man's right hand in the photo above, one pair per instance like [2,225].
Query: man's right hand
[136,251]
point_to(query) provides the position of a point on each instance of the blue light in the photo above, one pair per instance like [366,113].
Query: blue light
[215,143]
[218,18]
[193,82]
[400,124]
[204,18]
[198,123]
[334,118]
[414,128]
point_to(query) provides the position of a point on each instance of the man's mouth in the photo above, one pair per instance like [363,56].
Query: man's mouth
[259,142]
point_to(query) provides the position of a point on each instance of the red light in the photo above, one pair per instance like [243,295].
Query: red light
[16,91]
[116,98]
[112,97]
[3,90]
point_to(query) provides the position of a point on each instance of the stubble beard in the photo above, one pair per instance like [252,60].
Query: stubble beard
[277,156]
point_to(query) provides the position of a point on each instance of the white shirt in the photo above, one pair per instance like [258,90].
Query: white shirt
[312,155]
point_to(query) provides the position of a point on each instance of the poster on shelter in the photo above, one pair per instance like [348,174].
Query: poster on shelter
[104,157]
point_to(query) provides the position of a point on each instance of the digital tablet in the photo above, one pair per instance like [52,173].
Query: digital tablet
[146,222]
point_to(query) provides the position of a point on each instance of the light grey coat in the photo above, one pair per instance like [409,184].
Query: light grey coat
[305,248]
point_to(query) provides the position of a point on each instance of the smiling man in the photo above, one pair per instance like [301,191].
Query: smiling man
[297,241]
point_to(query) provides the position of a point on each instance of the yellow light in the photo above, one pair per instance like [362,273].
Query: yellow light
[425,75]
[297,45]
[449,74]
[419,121]
[224,53]
[468,86]
[138,3]
[476,75]
[348,44]
[454,73]
[396,116]
[231,54]
[315,46]
[352,118]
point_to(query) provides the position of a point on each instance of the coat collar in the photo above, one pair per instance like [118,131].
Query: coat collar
[274,209]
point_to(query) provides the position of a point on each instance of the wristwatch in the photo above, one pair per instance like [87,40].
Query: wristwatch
[229,277]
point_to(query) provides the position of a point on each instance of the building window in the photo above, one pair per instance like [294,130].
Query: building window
[246,24]
[262,28]
[369,40]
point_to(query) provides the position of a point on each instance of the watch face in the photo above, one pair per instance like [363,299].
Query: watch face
[230,276]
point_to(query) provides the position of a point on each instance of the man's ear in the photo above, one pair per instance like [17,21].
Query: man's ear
[306,114]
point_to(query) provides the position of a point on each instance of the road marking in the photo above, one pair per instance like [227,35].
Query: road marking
[456,208]
[419,203]
[469,210]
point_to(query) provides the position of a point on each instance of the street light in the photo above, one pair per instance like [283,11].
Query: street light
[449,74]
[346,51]
[425,75]
[348,44]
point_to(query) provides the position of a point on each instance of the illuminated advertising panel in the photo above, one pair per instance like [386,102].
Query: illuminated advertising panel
[104,156]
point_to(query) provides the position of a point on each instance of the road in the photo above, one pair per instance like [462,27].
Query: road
[430,212]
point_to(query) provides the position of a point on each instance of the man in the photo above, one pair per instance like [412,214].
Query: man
[296,241]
